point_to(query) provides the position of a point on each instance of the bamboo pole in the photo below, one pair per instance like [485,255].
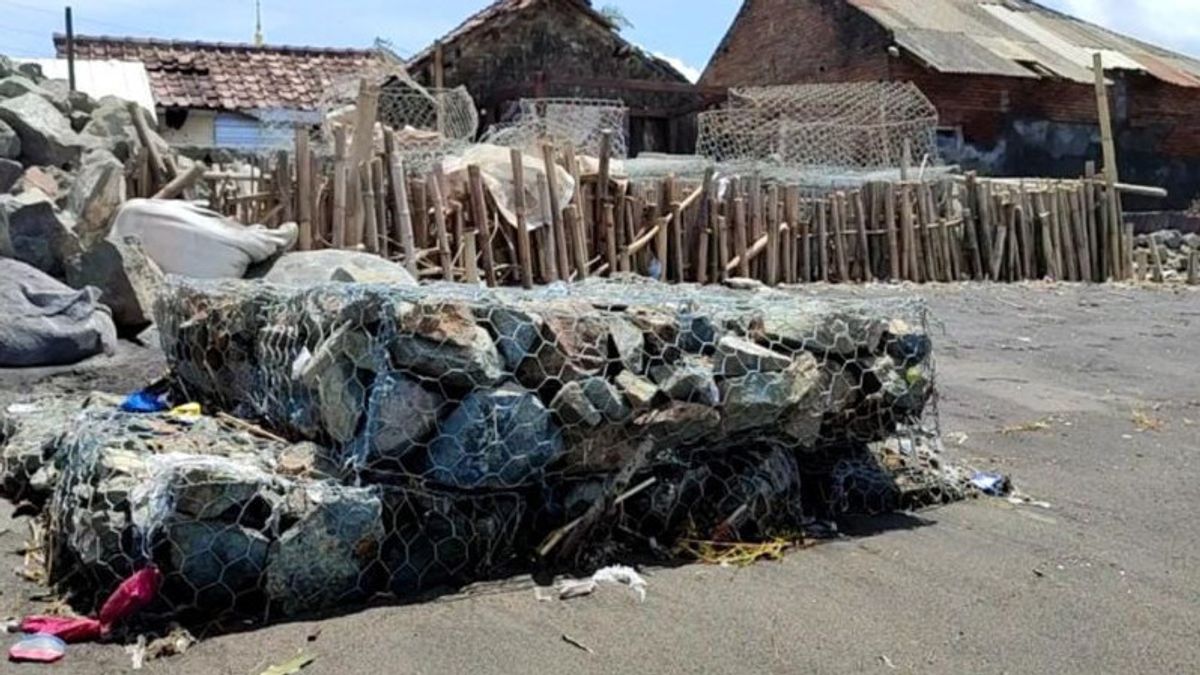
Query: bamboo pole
[610,238]
[864,242]
[523,249]
[806,235]
[366,187]
[304,189]
[480,218]
[739,236]
[1193,275]
[547,246]
[181,182]
[556,211]
[889,210]
[1108,147]
[839,236]
[823,237]
[339,186]
[403,214]
[791,216]
[433,184]
[772,222]
[1007,215]
[1049,259]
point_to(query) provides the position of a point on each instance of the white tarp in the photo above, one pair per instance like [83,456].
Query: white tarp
[495,164]
[124,79]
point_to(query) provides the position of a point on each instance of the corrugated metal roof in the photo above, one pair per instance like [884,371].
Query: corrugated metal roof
[1018,38]
[123,79]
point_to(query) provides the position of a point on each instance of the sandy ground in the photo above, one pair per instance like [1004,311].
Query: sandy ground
[1105,581]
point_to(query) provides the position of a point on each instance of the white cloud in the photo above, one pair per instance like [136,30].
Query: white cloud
[690,72]
[1174,24]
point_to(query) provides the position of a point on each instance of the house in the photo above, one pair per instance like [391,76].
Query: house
[1011,79]
[217,94]
[518,49]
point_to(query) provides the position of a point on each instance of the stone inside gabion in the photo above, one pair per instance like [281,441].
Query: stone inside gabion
[423,438]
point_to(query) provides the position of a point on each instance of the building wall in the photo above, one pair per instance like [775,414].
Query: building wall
[792,41]
[997,125]
[542,51]
[198,130]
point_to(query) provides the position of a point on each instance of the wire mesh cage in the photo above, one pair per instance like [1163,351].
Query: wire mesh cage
[577,123]
[417,438]
[844,125]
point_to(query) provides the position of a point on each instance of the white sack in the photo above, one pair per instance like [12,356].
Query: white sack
[495,163]
[193,241]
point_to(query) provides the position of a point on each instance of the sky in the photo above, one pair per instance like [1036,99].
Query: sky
[683,31]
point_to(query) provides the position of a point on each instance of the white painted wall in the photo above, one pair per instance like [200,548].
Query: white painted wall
[198,131]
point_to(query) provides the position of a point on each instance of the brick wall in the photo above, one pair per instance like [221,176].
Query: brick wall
[790,41]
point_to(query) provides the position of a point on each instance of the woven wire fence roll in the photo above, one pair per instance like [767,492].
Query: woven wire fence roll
[578,123]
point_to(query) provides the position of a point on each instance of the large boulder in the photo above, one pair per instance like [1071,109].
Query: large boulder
[10,142]
[16,85]
[48,323]
[497,438]
[442,342]
[7,67]
[303,268]
[32,70]
[32,231]
[128,280]
[10,173]
[46,134]
[95,195]
[400,415]
[112,125]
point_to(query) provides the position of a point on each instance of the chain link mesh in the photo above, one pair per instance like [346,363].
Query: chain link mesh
[861,125]
[571,122]
[413,439]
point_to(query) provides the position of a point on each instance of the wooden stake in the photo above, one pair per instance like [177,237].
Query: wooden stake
[864,242]
[839,236]
[791,216]
[182,182]
[304,189]
[371,227]
[339,186]
[1156,258]
[158,169]
[608,220]
[523,248]
[823,236]
[1193,276]
[402,213]
[772,221]
[480,219]
[433,185]
[556,211]
[889,209]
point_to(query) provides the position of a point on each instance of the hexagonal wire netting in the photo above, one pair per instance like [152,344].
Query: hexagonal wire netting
[577,123]
[850,125]
[420,438]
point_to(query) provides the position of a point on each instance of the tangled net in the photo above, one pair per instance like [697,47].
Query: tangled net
[569,122]
[860,125]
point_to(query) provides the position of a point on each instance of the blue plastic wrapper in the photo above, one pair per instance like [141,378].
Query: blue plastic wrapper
[38,648]
[992,484]
[145,401]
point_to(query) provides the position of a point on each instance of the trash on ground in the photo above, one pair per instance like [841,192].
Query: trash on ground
[991,484]
[37,648]
[616,575]
[576,644]
[291,666]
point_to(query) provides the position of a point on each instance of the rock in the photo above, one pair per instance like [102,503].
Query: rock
[6,66]
[112,127]
[1170,239]
[1192,241]
[442,342]
[32,71]
[737,357]
[15,85]
[28,435]
[641,393]
[302,268]
[318,562]
[578,342]
[516,331]
[759,399]
[218,562]
[10,143]
[82,102]
[95,195]
[36,178]
[495,439]
[35,233]
[46,135]
[400,414]
[590,402]
[128,280]
[79,120]
[332,375]
[822,328]
[10,173]
[690,379]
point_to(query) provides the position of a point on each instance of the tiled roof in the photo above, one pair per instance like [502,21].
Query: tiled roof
[1018,38]
[228,76]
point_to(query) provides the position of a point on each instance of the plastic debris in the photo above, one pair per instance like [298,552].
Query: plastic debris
[576,644]
[616,574]
[291,666]
[992,484]
[38,648]
[187,411]
[145,401]
[133,594]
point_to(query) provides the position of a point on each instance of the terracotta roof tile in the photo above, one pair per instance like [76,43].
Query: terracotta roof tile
[220,75]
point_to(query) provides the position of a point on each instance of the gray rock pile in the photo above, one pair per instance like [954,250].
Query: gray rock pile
[1175,250]
[63,158]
